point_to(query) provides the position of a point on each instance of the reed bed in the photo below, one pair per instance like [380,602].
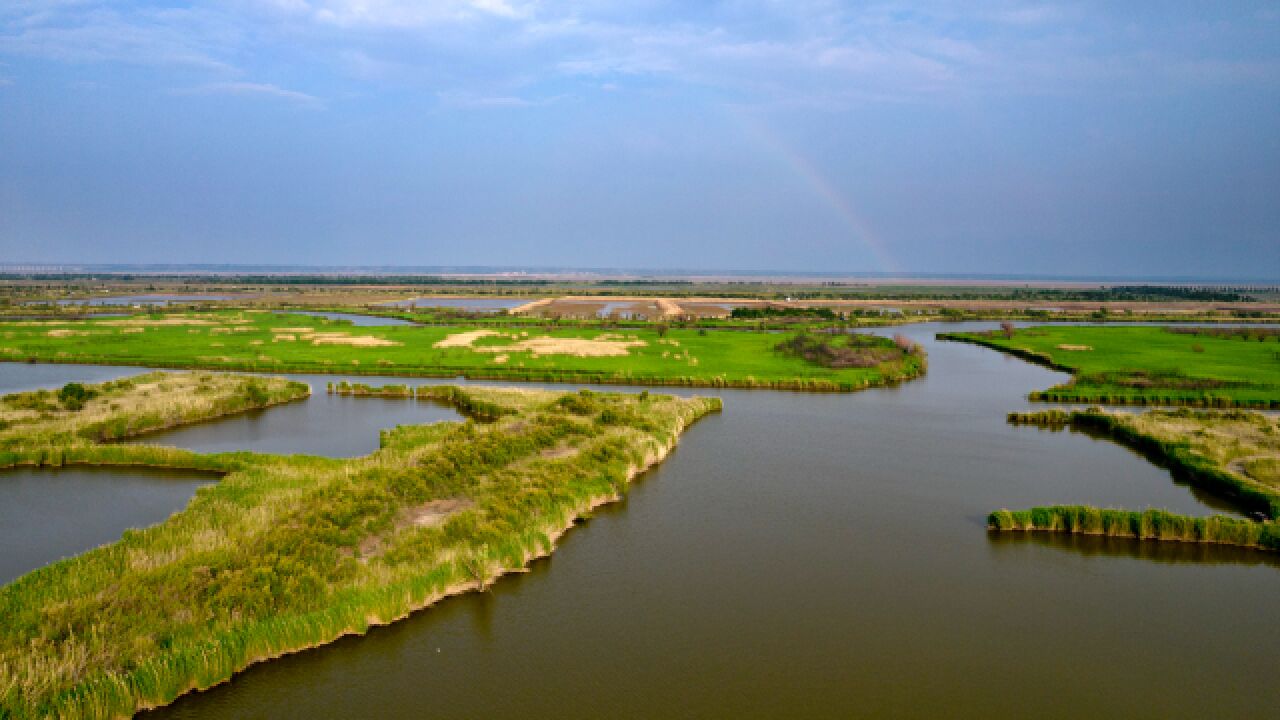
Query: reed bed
[1143,525]
[286,553]
[1232,453]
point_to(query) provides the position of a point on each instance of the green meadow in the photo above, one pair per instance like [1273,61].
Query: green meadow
[286,553]
[1140,365]
[281,342]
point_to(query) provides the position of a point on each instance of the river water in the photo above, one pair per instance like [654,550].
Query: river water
[824,555]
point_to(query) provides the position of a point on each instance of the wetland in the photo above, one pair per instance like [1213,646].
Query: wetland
[799,555]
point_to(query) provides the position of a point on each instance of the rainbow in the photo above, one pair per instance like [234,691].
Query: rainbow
[823,188]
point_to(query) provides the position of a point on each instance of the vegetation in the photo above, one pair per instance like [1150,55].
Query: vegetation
[274,342]
[286,553]
[773,311]
[79,414]
[849,350]
[1144,525]
[1149,365]
[1234,453]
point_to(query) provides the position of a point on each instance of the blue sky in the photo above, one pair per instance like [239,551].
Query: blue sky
[1138,138]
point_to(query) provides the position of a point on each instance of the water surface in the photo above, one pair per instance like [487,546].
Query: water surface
[815,555]
[355,319]
[47,514]
[824,555]
[329,425]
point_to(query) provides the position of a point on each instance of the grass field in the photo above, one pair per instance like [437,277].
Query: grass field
[270,342]
[285,553]
[1149,365]
[1235,454]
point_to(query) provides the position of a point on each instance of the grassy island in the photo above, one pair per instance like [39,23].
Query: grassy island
[1231,453]
[1205,367]
[260,341]
[286,553]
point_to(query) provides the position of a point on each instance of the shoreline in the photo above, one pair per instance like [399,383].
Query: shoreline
[510,375]
[552,532]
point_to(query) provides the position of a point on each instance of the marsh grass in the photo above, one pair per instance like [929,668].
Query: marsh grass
[1231,453]
[286,553]
[1141,525]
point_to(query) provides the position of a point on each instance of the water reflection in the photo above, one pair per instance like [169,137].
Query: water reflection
[1114,547]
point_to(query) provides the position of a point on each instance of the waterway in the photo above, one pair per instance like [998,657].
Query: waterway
[825,555]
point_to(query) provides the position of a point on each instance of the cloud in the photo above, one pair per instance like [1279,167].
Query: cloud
[399,13]
[466,100]
[750,51]
[93,32]
[251,89]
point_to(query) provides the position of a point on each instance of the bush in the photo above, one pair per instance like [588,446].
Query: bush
[73,395]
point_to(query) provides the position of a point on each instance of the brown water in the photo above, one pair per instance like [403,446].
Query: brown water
[813,555]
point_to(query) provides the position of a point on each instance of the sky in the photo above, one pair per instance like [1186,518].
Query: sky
[1109,138]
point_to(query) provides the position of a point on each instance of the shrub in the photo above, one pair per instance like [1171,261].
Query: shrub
[73,395]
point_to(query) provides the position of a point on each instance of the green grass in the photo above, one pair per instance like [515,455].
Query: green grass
[234,340]
[1144,525]
[1230,453]
[286,553]
[1146,365]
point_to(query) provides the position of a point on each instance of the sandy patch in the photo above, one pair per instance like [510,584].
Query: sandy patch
[580,347]
[132,330]
[294,330]
[1075,348]
[464,339]
[284,338]
[138,321]
[501,359]
[64,332]
[606,345]
[434,512]
[337,338]
[667,306]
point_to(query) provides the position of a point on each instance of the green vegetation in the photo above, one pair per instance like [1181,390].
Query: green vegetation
[850,350]
[286,553]
[1232,453]
[33,423]
[1148,365]
[271,342]
[1145,525]
[772,311]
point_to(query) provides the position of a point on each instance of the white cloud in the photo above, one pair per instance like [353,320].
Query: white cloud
[465,100]
[253,89]
[473,53]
